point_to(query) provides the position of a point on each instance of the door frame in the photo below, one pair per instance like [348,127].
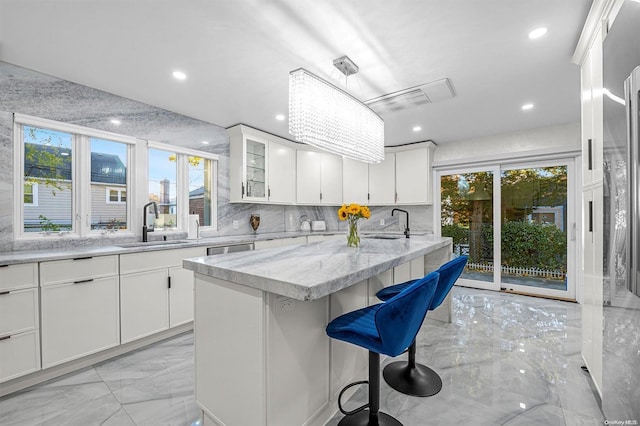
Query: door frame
[572,222]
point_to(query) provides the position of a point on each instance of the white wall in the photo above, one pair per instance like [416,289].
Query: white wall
[559,138]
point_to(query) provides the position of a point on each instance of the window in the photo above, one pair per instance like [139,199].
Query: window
[115,195]
[79,181]
[48,164]
[31,194]
[163,184]
[109,161]
[63,193]
[200,171]
[182,182]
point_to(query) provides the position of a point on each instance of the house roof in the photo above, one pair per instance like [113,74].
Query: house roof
[54,162]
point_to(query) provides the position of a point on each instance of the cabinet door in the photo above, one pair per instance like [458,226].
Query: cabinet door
[413,183]
[79,319]
[282,178]
[355,181]
[144,303]
[180,296]
[382,183]
[587,121]
[255,169]
[331,179]
[308,165]
[19,355]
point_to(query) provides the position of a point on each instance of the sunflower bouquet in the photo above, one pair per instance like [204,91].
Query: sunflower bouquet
[352,213]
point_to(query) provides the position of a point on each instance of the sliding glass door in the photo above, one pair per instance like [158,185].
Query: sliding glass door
[515,222]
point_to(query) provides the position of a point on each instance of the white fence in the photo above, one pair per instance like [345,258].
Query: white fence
[526,272]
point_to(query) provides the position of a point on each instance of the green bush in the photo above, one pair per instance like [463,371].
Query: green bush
[459,234]
[524,244]
[533,245]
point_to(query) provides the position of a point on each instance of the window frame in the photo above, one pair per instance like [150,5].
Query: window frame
[80,176]
[182,183]
[119,191]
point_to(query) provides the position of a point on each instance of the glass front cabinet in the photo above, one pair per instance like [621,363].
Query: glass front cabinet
[261,170]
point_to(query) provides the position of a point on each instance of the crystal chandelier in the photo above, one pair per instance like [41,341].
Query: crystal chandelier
[329,118]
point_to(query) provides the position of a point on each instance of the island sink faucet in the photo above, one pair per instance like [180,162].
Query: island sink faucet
[406,228]
[145,230]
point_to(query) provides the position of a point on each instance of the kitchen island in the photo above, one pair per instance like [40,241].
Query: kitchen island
[262,356]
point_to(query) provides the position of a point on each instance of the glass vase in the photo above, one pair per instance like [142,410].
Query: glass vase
[353,238]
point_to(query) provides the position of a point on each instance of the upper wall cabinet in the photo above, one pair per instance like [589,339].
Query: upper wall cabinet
[404,177]
[382,181]
[261,169]
[355,181]
[318,178]
[413,176]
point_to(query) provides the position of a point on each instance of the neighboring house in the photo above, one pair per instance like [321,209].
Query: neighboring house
[48,190]
[196,203]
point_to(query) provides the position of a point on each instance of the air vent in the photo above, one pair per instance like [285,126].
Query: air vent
[435,91]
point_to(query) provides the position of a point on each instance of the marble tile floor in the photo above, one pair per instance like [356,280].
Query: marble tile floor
[505,360]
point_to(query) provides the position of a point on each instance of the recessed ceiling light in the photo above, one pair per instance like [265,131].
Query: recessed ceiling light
[205,142]
[115,122]
[417,128]
[280,117]
[538,32]
[526,107]
[179,75]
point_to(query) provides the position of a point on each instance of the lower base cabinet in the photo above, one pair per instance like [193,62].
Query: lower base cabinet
[144,303]
[79,319]
[19,355]
[180,296]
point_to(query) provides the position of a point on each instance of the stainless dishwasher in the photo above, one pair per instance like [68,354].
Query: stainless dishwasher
[231,248]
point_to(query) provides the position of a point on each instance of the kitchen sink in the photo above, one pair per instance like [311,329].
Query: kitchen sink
[151,243]
[383,236]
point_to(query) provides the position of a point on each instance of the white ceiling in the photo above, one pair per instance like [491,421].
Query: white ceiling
[238,54]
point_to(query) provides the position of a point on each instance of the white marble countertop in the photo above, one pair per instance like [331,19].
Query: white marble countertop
[315,270]
[126,246]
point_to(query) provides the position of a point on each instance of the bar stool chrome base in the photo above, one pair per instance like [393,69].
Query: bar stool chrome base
[417,380]
[362,418]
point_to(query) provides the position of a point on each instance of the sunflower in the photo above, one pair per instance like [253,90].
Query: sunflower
[342,213]
[365,212]
[354,209]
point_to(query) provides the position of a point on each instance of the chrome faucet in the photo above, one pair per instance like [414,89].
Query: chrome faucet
[145,230]
[406,228]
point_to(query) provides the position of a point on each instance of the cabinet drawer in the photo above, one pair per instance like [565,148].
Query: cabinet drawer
[77,269]
[18,311]
[79,319]
[19,355]
[149,260]
[18,276]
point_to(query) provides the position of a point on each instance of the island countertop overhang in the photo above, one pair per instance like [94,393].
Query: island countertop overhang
[313,271]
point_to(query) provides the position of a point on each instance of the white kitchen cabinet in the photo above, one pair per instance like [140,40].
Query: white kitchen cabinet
[282,179]
[180,296]
[155,293]
[318,178]
[261,167]
[355,181]
[79,307]
[382,181]
[19,320]
[409,271]
[413,176]
[144,303]
[79,318]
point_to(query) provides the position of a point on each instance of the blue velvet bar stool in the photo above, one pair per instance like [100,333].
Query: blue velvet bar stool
[386,328]
[408,377]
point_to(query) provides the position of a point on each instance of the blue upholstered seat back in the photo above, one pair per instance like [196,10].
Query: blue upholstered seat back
[449,274]
[399,319]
